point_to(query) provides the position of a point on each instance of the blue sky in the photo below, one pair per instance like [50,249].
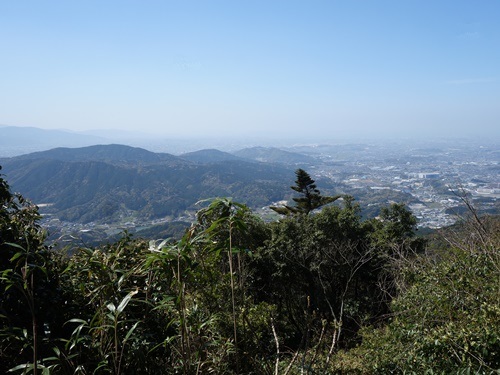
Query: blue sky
[253,68]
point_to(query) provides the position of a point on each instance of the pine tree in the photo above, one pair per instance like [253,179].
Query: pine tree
[310,198]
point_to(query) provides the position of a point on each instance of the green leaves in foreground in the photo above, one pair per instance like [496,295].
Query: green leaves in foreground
[447,320]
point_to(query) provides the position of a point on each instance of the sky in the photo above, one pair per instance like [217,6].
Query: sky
[322,69]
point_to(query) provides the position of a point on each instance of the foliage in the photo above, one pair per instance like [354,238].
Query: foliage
[327,269]
[448,319]
[27,283]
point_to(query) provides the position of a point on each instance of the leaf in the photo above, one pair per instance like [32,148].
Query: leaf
[57,351]
[111,307]
[121,280]
[16,255]
[215,224]
[205,200]
[47,359]
[15,245]
[241,225]
[125,301]
[24,366]
[129,333]
[81,321]
[162,243]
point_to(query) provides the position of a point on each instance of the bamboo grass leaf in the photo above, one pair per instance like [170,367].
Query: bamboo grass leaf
[125,301]
[16,256]
[111,307]
[129,333]
[15,245]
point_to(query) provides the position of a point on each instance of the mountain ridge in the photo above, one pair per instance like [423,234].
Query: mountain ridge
[16,140]
[274,155]
[106,183]
[210,156]
[107,153]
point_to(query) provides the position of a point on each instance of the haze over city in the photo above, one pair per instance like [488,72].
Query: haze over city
[249,69]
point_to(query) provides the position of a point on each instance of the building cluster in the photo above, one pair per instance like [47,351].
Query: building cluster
[432,180]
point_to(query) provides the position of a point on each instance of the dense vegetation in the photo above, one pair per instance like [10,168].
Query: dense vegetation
[320,291]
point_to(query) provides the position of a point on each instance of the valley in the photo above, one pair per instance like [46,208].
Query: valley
[99,191]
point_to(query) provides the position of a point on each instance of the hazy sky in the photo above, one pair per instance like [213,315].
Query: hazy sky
[245,68]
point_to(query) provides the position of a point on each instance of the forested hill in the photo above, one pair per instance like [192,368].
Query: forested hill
[108,183]
[274,155]
[113,153]
[210,156]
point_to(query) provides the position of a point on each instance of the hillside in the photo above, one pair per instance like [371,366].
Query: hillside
[113,153]
[209,156]
[274,155]
[112,183]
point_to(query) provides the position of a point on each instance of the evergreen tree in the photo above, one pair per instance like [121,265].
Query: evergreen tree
[310,198]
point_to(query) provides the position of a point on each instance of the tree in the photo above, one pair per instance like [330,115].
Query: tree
[323,266]
[447,319]
[25,280]
[310,198]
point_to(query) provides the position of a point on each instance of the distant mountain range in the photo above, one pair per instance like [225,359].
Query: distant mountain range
[108,183]
[16,140]
[113,154]
[275,155]
[210,156]
[115,183]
